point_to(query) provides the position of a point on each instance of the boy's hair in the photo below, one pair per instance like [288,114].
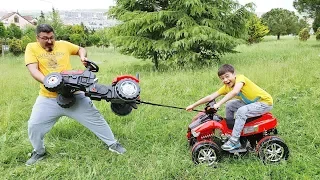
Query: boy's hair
[44,28]
[225,68]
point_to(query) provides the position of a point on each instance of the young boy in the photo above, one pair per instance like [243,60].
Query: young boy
[251,101]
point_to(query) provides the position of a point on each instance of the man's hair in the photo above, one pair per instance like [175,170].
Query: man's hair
[225,68]
[44,28]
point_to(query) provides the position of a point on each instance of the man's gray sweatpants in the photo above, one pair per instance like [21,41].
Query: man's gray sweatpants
[241,112]
[46,112]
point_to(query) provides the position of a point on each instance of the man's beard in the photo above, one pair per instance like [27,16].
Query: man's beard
[49,49]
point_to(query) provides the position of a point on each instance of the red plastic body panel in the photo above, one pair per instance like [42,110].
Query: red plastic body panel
[265,122]
[119,78]
[72,72]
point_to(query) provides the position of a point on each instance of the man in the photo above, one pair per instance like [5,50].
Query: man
[46,56]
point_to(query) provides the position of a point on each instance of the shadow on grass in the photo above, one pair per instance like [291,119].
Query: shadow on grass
[316,46]
[163,67]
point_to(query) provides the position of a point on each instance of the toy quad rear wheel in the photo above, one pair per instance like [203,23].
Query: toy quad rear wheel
[127,89]
[53,82]
[206,152]
[121,109]
[271,149]
[65,102]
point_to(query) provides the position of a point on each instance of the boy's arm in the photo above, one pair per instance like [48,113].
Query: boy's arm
[236,89]
[203,100]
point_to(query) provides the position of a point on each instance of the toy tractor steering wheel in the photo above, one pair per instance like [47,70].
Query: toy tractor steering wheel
[93,67]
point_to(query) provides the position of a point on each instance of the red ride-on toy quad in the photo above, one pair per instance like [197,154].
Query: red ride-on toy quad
[208,131]
[123,93]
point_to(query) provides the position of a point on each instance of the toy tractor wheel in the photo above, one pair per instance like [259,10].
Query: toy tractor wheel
[65,102]
[53,82]
[206,152]
[271,149]
[121,109]
[127,89]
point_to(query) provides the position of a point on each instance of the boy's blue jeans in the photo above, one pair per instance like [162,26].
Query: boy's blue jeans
[238,110]
[46,112]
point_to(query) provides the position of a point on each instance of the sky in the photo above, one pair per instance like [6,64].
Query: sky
[267,5]
[46,5]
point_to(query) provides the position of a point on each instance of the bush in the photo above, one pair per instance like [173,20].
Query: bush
[24,42]
[1,42]
[15,47]
[304,34]
[318,34]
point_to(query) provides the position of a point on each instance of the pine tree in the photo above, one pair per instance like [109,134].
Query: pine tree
[256,30]
[42,18]
[178,31]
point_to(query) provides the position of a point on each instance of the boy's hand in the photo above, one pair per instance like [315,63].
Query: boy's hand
[190,107]
[216,107]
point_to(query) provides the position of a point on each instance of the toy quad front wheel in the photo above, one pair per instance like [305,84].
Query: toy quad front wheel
[53,82]
[271,149]
[206,152]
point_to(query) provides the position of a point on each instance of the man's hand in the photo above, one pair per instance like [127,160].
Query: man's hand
[83,60]
[82,54]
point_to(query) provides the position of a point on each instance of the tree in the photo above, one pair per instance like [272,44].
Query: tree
[178,31]
[316,23]
[2,31]
[318,34]
[256,30]
[55,21]
[302,24]
[311,7]
[13,31]
[30,31]
[280,21]
[42,18]
[304,34]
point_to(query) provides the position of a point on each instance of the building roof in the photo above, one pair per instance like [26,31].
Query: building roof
[30,19]
[7,15]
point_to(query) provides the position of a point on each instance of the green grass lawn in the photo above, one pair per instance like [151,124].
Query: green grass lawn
[155,137]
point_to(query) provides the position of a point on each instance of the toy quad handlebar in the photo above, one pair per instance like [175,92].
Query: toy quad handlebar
[91,66]
[209,109]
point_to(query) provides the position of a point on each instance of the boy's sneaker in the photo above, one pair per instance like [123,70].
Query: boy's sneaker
[34,158]
[229,145]
[117,148]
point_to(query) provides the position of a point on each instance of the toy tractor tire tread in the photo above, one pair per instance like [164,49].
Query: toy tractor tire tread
[65,102]
[53,82]
[272,149]
[121,109]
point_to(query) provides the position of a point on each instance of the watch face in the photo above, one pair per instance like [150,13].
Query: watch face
[128,88]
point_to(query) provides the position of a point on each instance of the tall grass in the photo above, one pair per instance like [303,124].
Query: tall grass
[155,136]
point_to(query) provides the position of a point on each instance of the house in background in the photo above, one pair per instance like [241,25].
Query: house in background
[17,19]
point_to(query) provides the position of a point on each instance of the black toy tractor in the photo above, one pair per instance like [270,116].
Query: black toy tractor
[123,93]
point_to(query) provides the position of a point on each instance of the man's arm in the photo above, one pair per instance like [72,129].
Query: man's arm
[83,55]
[35,73]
